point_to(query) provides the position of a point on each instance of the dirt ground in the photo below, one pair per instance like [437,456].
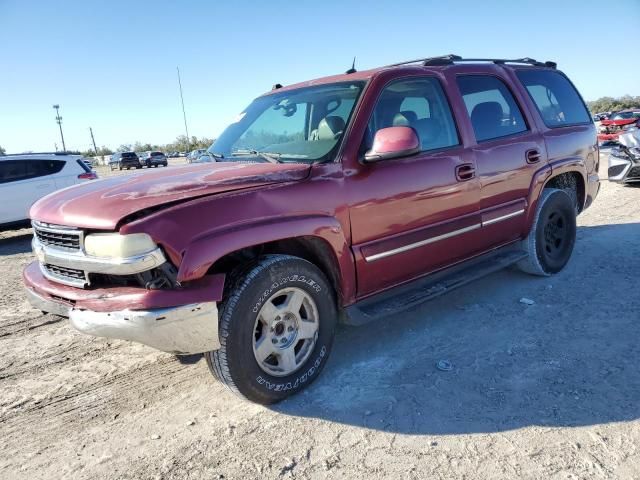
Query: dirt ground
[550,390]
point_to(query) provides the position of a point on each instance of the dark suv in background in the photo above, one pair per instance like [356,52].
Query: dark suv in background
[126,160]
[153,159]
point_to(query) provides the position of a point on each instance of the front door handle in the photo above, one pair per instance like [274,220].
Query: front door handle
[465,172]
[533,156]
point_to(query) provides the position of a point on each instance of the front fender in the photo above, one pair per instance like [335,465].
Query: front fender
[203,252]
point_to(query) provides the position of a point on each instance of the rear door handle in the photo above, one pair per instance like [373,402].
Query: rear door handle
[533,156]
[465,172]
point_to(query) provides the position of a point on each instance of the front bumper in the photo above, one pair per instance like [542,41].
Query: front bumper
[180,321]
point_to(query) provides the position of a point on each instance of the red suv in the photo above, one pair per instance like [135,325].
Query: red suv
[345,198]
[617,124]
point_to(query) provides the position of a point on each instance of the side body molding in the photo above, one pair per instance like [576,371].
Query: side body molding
[203,252]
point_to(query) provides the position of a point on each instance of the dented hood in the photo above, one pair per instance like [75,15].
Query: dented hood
[101,204]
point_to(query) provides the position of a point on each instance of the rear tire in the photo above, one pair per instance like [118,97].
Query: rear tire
[277,325]
[553,234]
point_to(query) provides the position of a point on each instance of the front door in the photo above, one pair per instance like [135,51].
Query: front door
[413,215]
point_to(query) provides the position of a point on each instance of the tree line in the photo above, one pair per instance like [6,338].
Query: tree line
[611,104]
[180,144]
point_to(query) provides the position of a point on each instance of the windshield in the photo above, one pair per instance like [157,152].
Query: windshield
[302,125]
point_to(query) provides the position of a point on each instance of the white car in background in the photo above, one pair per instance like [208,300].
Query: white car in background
[26,178]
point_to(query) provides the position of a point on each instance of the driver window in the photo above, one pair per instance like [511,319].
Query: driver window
[419,104]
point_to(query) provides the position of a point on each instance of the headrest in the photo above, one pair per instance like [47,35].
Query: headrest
[329,127]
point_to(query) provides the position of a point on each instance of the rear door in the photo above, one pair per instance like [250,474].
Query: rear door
[508,151]
[22,183]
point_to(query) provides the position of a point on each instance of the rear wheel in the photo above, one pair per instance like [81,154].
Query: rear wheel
[277,325]
[552,236]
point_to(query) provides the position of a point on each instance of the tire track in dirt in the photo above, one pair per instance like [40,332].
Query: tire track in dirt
[70,355]
[124,391]
[27,324]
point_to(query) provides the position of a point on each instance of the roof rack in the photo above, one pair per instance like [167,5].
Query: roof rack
[451,59]
[43,153]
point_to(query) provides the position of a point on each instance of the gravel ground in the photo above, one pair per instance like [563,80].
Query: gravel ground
[549,390]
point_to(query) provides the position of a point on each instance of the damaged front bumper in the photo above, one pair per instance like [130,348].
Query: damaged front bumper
[179,321]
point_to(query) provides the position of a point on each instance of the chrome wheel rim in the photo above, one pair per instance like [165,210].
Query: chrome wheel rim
[285,331]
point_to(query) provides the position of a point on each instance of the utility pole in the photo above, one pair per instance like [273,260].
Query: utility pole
[59,121]
[184,115]
[95,149]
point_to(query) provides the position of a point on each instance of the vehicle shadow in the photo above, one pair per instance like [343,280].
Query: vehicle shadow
[16,244]
[570,359]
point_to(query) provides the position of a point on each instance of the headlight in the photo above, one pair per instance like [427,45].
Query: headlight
[114,245]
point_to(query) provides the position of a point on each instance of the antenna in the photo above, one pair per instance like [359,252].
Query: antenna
[353,67]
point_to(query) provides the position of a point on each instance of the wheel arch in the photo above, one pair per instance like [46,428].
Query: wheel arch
[569,180]
[557,175]
[320,240]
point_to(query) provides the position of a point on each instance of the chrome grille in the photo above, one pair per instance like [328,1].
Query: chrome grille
[67,276]
[58,237]
[63,272]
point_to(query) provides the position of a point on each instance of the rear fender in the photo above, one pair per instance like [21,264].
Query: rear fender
[203,252]
[543,176]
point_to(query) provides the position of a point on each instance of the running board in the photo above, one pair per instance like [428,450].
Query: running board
[426,288]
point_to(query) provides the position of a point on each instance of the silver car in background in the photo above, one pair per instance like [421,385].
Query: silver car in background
[624,159]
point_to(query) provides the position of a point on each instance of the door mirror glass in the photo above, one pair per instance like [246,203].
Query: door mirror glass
[393,142]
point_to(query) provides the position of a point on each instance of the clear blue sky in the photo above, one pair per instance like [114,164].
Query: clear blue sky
[112,64]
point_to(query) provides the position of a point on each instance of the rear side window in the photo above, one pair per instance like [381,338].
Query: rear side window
[17,170]
[556,99]
[493,110]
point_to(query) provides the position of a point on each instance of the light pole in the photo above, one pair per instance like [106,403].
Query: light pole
[59,122]
[184,115]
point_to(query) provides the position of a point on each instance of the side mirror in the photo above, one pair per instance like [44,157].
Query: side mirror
[393,142]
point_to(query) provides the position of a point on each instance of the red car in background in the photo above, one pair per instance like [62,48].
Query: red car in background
[618,123]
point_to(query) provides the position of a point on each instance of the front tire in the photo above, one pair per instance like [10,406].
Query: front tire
[277,325]
[553,234]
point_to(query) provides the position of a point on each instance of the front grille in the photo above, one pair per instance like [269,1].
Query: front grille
[634,173]
[70,240]
[63,273]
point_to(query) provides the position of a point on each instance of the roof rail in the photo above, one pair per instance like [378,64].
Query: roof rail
[451,59]
[43,153]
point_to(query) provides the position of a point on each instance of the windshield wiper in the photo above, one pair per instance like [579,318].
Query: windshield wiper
[213,154]
[268,156]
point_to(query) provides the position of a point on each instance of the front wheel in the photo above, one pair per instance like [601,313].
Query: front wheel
[552,236]
[277,324]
